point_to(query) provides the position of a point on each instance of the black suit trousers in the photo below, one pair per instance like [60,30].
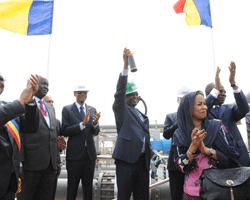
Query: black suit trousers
[80,169]
[176,179]
[132,178]
[10,194]
[38,184]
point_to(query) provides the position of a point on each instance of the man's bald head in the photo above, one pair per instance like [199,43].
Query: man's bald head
[49,100]
[209,88]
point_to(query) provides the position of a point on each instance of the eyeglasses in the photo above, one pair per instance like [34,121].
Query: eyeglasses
[132,94]
[2,79]
[80,92]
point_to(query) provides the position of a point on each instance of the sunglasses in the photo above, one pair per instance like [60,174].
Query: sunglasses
[82,92]
[132,94]
[2,79]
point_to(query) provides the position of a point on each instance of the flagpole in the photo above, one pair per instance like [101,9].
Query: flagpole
[48,62]
[212,38]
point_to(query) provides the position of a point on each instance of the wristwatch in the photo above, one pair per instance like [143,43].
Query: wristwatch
[212,151]
[235,84]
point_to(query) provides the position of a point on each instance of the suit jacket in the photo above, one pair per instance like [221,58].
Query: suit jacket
[9,152]
[230,114]
[170,125]
[71,119]
[130,128]
[41,148]
[248,128]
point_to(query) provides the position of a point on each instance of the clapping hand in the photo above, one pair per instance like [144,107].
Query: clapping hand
[96,118]
[198,137]
[30,90]
[86,118]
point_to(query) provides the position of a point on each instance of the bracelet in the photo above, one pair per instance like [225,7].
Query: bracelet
[191,152]
[233,85]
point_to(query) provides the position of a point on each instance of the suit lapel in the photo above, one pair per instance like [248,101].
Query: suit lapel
[76,111]
[132,109]
[222,109]
[214,113]
[143,123]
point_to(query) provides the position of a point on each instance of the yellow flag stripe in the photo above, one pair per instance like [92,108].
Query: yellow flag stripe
[14,15]
[193,16]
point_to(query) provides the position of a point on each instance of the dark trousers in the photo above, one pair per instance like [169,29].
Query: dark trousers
[8,196]
[132,178]
[54,190]
[176,179]
[38,185]
[10,193]
[80,169]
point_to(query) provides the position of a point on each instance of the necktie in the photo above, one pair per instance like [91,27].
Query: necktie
[42,108]
[139,114]
[142,119]
[82,112]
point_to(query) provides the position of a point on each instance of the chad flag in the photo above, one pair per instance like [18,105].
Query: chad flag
[27,17]
[197,12]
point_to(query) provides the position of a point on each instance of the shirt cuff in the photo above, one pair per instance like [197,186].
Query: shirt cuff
[124,72]
[215,92]
[81,126]
[237,91]
[21,164]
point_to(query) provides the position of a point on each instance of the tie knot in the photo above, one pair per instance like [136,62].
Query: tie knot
[81,107]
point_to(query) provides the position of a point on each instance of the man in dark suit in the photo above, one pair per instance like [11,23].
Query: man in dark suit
[229,113]
[176,178]
[80,124]
[133,151]
[15,117]
[61,140]
[40,157]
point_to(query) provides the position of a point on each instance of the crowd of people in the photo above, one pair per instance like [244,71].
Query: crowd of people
[204,135]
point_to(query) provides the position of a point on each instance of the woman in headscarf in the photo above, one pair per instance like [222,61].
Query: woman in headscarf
[200,143]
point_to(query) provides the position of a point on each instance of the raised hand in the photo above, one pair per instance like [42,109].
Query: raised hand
[86,118]
[232,69]
[30,90]
[96,118]
[217,79]
[126,53]
[34,81]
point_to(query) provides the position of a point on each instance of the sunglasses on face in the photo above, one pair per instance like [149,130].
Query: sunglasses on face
[82,92]
[132,94]
[2,79]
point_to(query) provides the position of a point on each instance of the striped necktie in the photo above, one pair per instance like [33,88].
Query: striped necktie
[42,108]
[139,114]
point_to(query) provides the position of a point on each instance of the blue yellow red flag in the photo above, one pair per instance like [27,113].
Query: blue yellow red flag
[197,12]
[27,17]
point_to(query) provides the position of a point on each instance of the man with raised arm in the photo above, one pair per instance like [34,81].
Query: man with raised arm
[133,150]
[229,113]
[15,117]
